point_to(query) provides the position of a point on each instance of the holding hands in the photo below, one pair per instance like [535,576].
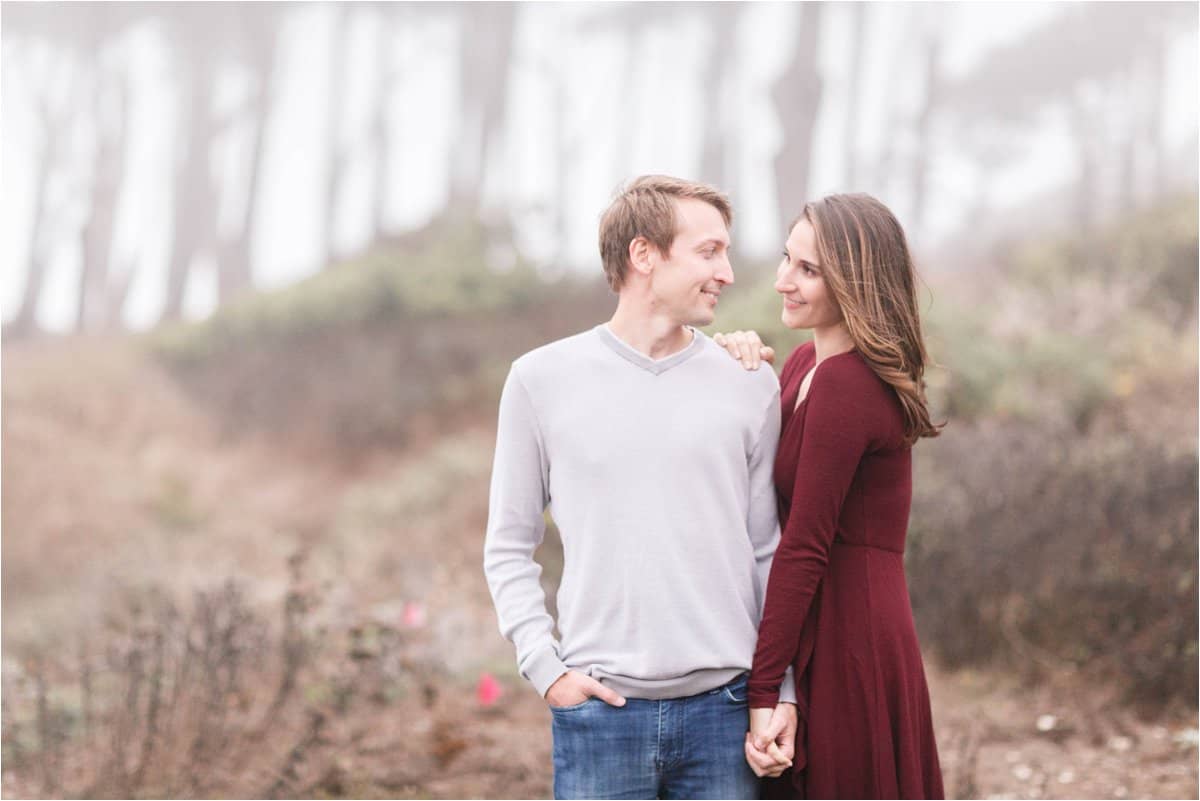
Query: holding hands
[771,741]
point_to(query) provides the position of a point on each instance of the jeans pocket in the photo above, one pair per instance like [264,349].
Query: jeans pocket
[735,691]
[574,707]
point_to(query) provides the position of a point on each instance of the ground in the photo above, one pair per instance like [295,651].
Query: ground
[127,481]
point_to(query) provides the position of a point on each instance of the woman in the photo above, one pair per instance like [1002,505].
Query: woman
[837,605]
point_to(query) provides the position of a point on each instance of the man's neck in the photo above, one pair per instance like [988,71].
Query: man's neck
[647,333]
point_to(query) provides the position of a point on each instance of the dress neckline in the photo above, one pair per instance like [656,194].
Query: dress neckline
[794,403]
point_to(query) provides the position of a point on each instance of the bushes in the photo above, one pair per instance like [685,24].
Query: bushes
[1050,553]
[208,699]
[410,338]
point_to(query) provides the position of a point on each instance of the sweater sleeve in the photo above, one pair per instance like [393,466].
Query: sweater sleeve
[837,433]
[762,519]
[516,524]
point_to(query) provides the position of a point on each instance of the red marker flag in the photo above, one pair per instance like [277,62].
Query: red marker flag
[488,691]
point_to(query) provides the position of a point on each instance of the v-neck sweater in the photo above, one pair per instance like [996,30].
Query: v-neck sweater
[657,473]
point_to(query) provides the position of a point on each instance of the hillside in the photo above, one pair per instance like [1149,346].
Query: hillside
[290,499]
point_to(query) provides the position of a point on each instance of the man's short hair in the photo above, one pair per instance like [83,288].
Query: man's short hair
[646,208]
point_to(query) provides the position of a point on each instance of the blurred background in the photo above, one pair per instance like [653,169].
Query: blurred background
[266,266]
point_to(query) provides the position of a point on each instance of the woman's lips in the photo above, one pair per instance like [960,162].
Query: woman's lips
[792,305]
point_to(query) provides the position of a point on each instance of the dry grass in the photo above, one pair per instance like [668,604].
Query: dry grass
[192,614]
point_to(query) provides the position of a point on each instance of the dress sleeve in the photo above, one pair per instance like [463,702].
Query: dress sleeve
[838,431]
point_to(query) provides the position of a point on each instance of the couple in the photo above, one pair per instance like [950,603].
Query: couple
[699,648]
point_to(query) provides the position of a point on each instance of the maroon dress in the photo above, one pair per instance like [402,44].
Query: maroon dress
[837,605]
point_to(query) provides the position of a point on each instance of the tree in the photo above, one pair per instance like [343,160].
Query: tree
[854,55]
[1078,63]
[381,115]
[797,96]
[930,54]
[49,44]
[337,157]
[258,43]
[102,291]
[485,49]
[51,124]
[715,128]
[198,41]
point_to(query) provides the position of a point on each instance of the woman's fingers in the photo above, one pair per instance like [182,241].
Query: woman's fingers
[747,347]
[736,345]
[730,342]
[757,760]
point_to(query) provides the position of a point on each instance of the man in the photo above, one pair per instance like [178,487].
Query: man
[653,451]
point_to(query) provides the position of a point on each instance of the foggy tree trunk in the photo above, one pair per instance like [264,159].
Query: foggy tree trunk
[562,153]
[1086,183]
[1129,102]
[854,95]
[485,48]
[381,120]
[25,321]
[797,96]
[335,154]
[116,291]
[194,210]
[1155,142]
[235,274]
[722,19]
[628,65]
[108,173]
[924,144]
[54,131]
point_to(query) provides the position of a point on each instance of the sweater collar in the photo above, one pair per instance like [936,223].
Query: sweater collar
[636,357]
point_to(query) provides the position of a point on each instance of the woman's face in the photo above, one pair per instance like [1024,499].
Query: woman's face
[807,302]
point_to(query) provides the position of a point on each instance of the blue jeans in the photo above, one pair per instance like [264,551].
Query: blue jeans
[690,747]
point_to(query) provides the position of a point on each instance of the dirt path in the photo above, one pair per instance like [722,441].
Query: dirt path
[988,734]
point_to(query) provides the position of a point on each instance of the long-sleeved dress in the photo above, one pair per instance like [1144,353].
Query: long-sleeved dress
[837,605]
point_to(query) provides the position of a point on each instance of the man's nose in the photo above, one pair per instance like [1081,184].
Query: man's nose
[724,272]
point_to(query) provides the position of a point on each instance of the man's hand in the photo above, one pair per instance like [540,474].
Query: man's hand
[771,741]
[573,688]
[747,347]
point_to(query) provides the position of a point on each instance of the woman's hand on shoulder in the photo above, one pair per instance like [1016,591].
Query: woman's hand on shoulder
[747,347]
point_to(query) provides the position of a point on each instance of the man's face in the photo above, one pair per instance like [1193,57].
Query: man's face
[687,282]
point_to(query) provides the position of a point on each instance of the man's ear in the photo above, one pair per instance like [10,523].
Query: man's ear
[641,254]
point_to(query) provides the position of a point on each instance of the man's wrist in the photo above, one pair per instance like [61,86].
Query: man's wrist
[544,668]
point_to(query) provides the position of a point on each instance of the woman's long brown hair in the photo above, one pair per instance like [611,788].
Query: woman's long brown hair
[866,264]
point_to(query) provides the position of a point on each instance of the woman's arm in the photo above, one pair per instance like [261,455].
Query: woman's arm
[837,432]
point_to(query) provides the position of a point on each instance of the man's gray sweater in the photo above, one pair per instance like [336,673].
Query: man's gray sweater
[658,476]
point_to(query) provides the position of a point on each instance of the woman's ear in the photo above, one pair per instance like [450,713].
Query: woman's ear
[641,255]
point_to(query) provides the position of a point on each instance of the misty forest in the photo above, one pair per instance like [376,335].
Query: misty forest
[266,266]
